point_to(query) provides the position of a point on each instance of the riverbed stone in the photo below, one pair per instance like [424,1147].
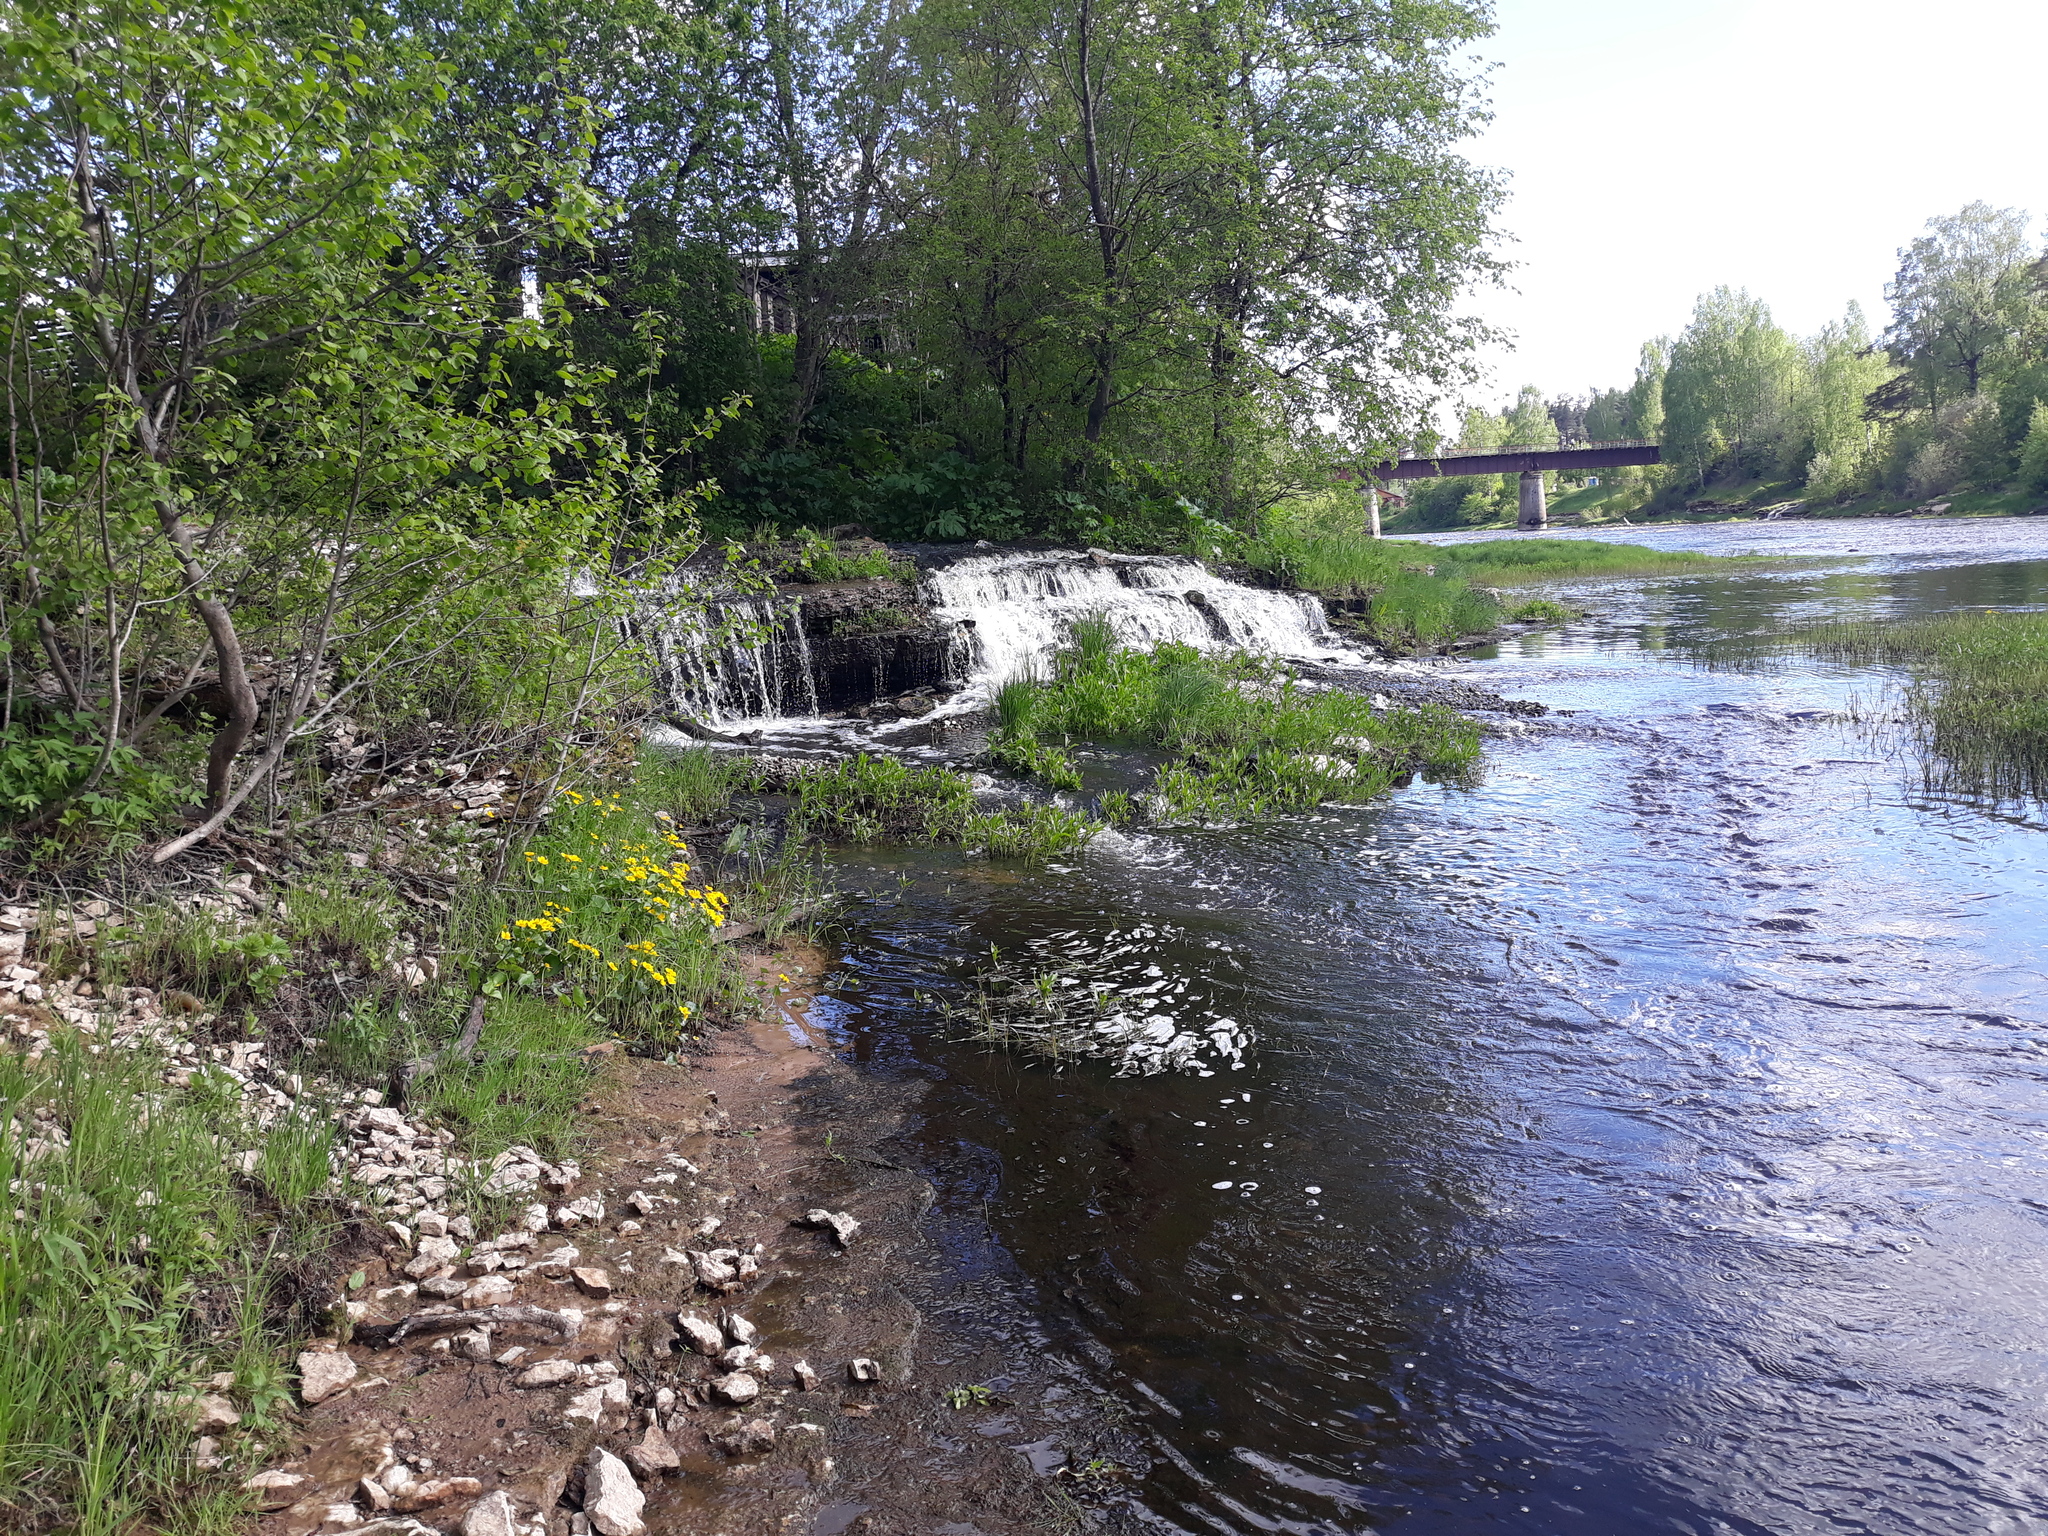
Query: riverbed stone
[738,1388]
[700,1334]
[612,1499]
[324,1372]
[654,1454]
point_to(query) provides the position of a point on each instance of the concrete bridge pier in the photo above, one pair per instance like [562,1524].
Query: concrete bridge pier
[1533,512]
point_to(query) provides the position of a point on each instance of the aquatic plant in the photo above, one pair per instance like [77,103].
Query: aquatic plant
[1247,739]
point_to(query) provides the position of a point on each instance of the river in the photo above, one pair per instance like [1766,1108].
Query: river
[1648,1137]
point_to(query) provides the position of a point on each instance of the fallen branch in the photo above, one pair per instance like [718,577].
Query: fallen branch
[412,1072]
[384,1335]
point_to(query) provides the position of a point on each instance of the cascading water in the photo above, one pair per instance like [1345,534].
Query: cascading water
[1022,606]
[736,658]
[730,658]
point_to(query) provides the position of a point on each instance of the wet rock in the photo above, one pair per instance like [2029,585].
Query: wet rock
[736,1358]
[276,1488]
[612,1500]
[653,1455]
[492,1515]
[491,1291]
[324,1372]
[434,1492]
[863,1370]
[549,1373]
[701,1335]
[739,1330]
[594,1283]
[806,1379]
[738,1388]
[756,1437]
[838,1223]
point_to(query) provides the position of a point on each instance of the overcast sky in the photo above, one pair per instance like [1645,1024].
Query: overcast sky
[1790,147]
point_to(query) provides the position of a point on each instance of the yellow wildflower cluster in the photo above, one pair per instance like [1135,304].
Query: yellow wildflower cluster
[614,873]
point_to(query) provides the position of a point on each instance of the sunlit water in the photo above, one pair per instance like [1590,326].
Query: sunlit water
[1652,1137]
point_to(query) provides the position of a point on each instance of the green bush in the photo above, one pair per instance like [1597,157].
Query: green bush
[46,763]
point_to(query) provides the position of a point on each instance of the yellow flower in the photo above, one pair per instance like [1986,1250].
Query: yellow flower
[506,934]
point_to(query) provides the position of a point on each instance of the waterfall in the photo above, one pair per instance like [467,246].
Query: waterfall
[734,658]
[1022,606]
[726,657]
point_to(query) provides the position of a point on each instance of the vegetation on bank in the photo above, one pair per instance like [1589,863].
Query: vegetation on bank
[1977,701]
[1424,597]
[1241,737]
[1948,405]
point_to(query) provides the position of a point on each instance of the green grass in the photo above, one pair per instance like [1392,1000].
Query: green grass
[1410,608]
[1504,562]
[1245,740]
[1979,696]
[867,799]
[137,1263]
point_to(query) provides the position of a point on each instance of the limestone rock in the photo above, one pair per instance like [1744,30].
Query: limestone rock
[277,1488]
[702,1336]
[589,1405]
[653,1454]
[324,1372]
[436,1491]
[216,1412]
[863,1370]
[838,1223]
[549,1373]
[492,1515]
[612,1500]
[756,1437]
[739,1330]
[594,1283]
[737,1389]
[736,1358]
[806,1378]
[491,1291]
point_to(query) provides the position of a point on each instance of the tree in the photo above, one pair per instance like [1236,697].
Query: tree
[1729,385]
[1957,296]
[1831,438]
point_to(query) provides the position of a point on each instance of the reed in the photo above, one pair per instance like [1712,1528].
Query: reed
[1978,698]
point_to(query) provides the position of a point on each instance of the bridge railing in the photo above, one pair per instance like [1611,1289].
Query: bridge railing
[1473,453]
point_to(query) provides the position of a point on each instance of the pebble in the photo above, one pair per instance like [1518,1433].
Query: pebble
[863,1370]
[806,1378]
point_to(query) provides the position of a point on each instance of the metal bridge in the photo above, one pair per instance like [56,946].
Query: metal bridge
[1528,460]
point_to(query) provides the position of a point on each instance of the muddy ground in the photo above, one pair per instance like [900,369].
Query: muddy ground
[774,1124]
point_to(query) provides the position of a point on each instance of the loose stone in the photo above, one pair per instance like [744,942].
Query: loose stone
[324,1372]
[612,1500]
[737,1388]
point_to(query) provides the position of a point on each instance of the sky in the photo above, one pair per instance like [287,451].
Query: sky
[1657,148]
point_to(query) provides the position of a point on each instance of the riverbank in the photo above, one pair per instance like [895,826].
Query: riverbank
[432,1294]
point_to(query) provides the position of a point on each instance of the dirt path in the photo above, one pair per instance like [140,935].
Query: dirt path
[727,1152]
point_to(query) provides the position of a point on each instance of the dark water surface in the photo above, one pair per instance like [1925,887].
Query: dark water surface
[1649,1138]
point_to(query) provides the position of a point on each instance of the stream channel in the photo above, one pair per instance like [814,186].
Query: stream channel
[1650,1136]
